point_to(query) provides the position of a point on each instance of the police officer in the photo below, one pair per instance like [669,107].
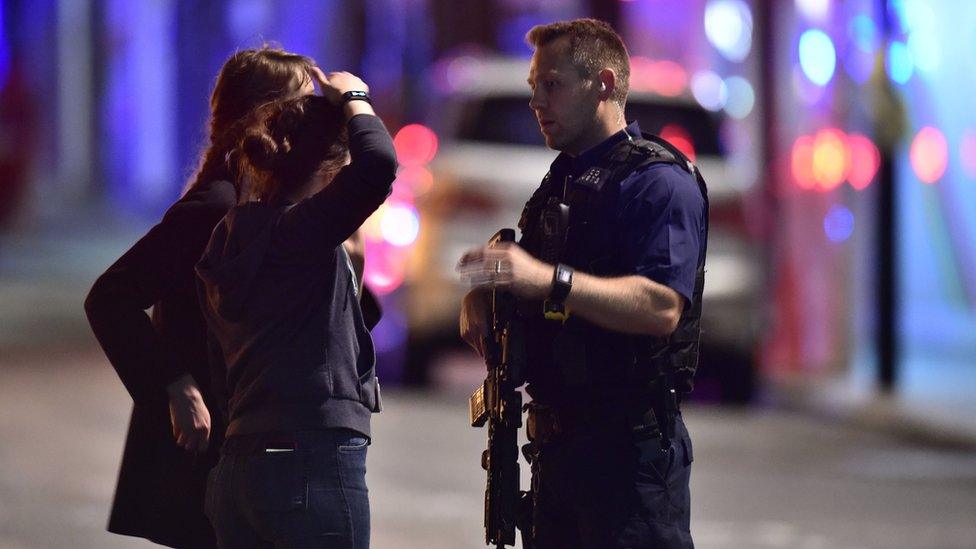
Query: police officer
[609,275]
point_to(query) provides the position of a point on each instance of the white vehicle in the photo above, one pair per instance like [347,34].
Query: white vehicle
[492,157]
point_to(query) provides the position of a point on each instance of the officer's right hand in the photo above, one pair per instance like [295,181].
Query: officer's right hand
[474,319]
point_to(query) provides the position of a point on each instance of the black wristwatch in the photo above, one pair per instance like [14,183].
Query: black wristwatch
[356,96]
[562,283]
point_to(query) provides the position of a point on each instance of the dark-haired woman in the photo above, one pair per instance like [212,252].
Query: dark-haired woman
[162,360]
[280,302]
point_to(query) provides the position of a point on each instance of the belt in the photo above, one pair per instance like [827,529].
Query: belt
[278,441]
[546,423]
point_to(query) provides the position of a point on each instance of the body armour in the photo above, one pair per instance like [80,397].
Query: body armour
[574,362]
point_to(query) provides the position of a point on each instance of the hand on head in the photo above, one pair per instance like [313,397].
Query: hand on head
[334,84]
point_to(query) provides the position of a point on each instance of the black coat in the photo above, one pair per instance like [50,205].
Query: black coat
[160,489]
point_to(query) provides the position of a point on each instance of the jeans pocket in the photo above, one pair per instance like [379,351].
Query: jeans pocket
[352,464]
[351,455]
[355,443]
[276,481]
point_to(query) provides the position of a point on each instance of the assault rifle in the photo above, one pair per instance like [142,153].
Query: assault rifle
[498,403]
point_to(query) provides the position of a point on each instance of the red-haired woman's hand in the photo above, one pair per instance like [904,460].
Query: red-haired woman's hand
[334,84]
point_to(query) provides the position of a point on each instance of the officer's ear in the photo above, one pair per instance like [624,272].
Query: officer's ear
[607,82]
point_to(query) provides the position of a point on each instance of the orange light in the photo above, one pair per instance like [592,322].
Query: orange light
[372,228]
[801,162]
[831,159]
[680,138]
[416,178]
[401,192]
[673,79]
[929,155]
[415,145]
[641,77]
[664,77]
[968,153]
[865,161]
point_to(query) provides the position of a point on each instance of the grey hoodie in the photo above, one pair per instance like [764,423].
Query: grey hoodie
[289,348]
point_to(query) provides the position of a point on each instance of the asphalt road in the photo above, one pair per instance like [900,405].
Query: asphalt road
[762,478]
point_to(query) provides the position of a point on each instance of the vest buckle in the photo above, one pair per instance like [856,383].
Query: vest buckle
[554,311]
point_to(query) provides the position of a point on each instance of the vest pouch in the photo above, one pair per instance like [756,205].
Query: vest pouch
[684,363]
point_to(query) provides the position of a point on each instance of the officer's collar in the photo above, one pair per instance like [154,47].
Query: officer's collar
[591,156]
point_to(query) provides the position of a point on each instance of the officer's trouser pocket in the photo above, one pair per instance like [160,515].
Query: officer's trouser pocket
[663,479]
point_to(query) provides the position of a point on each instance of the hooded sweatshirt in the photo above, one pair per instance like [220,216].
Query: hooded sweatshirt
[289,348]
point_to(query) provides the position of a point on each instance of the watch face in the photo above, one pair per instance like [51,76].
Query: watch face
[565,276]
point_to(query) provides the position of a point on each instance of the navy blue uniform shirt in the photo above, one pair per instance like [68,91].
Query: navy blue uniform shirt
[660,212]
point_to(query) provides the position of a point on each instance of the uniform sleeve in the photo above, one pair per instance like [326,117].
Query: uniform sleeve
[117,303]
[664,224]
[330,216]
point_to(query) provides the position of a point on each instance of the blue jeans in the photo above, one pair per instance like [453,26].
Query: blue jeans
[291,490]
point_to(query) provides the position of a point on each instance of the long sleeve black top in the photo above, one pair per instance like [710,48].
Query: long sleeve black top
[280,300]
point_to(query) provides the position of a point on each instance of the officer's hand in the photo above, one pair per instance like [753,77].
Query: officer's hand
[474,319]
[189,415]
[508,267]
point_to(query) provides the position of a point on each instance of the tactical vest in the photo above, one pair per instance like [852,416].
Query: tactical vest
[576,356]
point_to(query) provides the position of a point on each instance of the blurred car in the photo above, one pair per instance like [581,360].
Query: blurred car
[492,157]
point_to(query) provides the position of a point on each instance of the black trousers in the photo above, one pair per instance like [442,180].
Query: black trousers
[603,491]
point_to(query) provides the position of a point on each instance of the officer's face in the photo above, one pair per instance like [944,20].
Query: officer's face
[565,104]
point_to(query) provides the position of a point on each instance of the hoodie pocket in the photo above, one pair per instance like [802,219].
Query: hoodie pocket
[369,392]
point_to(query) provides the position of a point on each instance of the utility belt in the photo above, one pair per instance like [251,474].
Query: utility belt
[649,414]
[545,423]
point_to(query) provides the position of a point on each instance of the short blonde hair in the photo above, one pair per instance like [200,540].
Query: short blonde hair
[593,46]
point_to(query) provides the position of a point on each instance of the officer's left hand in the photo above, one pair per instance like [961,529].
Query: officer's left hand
[508,267]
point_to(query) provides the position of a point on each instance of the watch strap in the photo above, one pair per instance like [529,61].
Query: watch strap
[356,95]
[562,283]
